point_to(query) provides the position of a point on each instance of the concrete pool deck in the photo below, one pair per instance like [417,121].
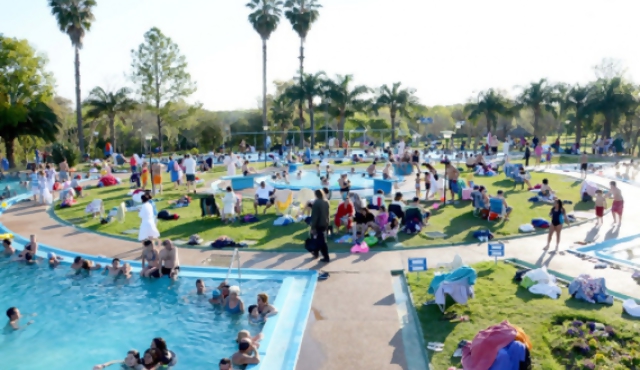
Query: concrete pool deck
[354,321]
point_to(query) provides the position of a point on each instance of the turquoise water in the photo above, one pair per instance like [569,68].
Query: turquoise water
[311,180]
[81,321]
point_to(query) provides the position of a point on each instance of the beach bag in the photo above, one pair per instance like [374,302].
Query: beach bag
[540,223]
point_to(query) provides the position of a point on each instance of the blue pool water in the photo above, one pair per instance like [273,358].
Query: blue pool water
[82,321]
[311,180]
[624,250]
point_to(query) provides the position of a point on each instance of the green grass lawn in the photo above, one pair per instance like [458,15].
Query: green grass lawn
[545,320]
[455,220]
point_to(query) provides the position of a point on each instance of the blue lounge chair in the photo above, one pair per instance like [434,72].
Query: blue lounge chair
[496,208]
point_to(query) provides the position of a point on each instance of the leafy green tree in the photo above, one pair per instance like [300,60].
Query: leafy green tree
[25,89]
[491,104]
[160,72]
[74,18]
[345,101]
[264,18]
[302,14]
[311,86]
[282,114]
[109,104]
[577,105]
[60,152]
[399,101]
[612,98]
[540,97]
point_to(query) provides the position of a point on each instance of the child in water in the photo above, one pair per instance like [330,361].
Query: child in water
[254,317]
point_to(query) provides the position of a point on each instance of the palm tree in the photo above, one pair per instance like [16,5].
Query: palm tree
[282,114]
[264,19]
[491,104]
[17,119]
[110,105]
[310,87]
[302,14]
[539,97]
[344,101]
[577,101]
[399,101]
[74,18]
[611,98]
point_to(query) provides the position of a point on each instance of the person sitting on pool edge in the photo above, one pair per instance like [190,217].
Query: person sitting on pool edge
[8,249]
[263,198]
[168,261]
[242,357]
[14,319]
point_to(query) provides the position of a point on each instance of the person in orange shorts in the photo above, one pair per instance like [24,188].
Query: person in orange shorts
[144,177]
[156,170]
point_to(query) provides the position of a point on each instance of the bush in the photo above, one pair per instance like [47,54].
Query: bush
[195,151]
[60,151]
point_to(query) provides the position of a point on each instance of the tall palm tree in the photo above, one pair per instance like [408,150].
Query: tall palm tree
[282,114]
[577,101]
[491,104]
[109,105]
[611,98]
[345,101]
[302,14]
[398,100]
[310,87]
[264,18]
[539,97]
[74,18]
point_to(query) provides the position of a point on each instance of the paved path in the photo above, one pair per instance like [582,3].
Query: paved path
[354,322]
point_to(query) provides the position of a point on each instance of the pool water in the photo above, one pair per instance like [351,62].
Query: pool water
[311,180]
[81,321]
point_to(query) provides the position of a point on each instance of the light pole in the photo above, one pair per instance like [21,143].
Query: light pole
[148,137]
[566,123]
[446,135]
[265,128]
[141,142]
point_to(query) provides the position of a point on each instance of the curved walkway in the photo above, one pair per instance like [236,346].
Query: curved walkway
[354,322]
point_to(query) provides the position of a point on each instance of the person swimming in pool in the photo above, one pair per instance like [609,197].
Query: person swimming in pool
[254,315]
[165,356]
[233,303]
[200,287]
[54,261]
[27,258]
[242,358]
[242,334]
[88,266]
[14,319]
[131,362]
[8,249]
[264,307]
[216,297]
[114,269]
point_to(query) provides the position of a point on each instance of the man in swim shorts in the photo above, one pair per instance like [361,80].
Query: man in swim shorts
[452,175]
[169,262]
[618,202]
[584,164]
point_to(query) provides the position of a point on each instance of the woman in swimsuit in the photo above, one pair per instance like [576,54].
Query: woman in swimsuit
[233,304]
[345,185]
[31,247]
[558,217]
[164,356]
[415,160]
[265,309]
[150,257]
[131,362]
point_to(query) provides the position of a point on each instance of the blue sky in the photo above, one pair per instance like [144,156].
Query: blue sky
[447,50]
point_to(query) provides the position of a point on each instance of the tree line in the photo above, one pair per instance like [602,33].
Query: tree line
[31,115]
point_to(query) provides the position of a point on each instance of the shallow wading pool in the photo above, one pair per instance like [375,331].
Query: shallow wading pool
[84,320]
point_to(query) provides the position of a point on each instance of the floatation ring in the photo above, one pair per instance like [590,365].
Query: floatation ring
[4,205]
[6,236]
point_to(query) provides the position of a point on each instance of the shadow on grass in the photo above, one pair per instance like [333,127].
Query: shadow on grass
[584,206]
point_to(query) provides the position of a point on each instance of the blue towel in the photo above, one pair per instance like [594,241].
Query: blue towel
[510,357]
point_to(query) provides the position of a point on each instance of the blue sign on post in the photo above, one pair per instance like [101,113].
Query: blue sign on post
[417,265]
[496,250]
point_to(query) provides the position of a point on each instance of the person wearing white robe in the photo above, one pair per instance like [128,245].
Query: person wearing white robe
[401,146]
[229,205]
[148,228]
[230,162]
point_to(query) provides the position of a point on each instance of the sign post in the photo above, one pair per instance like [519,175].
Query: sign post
[417,265]
[496,250]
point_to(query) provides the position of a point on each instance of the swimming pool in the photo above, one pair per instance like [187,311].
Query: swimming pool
[624,250]
[311,180]
[82,321]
